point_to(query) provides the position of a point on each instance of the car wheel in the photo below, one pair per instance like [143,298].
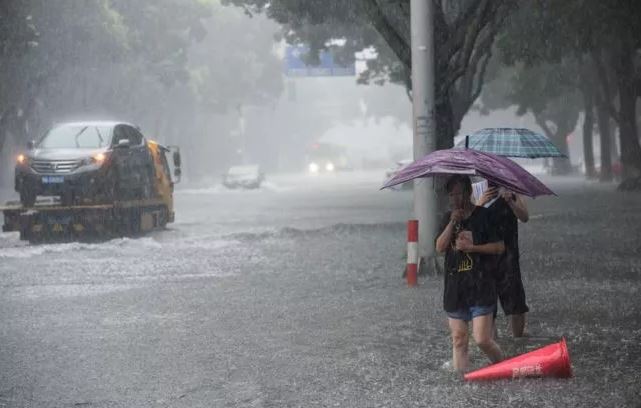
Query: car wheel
[164,217]
[135,218]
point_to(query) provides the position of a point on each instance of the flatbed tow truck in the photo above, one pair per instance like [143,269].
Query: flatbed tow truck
[49,220]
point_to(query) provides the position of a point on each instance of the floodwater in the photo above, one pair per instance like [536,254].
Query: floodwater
[291,296]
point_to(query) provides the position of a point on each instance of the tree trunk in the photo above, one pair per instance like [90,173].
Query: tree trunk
[588,125]
[560,165]
[603,120]
[3,130]
[5,124]
[628,136]
[444,126]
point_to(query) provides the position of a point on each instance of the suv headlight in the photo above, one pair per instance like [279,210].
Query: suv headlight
[96,159]
[22,159]
[99,158]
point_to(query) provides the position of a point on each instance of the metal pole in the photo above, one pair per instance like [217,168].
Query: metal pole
[422,27]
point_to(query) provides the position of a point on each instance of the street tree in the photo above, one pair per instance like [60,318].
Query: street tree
[34,51]
[17,35]
[117,58]
[548,91]
[604,39]
[464,34]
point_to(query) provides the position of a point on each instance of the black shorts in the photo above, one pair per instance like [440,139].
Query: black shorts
[509,287]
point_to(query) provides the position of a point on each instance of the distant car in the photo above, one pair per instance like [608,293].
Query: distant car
[246,177]
[321,166]
[86,162]
[327,158]
[398,166]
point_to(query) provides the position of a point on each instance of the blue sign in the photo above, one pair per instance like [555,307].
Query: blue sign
[295,65]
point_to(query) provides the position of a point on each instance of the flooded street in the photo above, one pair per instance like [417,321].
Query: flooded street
[292,296]
[213,172]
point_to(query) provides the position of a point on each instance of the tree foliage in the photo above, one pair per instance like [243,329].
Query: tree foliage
[600,42]
[464,34]
[549,91]
[132,60]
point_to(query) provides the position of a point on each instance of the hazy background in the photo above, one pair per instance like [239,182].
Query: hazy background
[208,78]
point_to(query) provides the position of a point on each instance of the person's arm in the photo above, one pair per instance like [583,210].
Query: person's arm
[443,240]
[491,248]
[518,206]
[494,244]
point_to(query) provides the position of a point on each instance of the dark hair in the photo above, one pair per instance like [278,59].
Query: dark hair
[461,179]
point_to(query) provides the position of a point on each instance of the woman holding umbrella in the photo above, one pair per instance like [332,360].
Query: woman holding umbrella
[470,243]
[469,239]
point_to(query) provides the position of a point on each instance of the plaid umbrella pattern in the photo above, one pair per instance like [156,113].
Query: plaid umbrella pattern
[511,142]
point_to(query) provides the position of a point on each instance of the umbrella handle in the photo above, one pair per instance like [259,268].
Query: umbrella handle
[467,141]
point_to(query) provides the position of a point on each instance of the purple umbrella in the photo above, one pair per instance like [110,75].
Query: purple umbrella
[497,169]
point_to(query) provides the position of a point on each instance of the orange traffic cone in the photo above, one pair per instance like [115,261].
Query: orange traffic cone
[549,361]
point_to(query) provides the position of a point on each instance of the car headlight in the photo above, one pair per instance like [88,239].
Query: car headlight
[97,160]
[313,168]
[329,166]
[22,159]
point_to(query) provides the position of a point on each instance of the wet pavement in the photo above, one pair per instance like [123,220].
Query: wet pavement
[291,296]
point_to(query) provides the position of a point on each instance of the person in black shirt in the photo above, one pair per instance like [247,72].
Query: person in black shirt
[470,243]
[506,209]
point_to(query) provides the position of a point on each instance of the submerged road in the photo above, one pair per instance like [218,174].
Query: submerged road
[291,296]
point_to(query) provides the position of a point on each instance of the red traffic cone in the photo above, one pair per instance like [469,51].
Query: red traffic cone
[549,361]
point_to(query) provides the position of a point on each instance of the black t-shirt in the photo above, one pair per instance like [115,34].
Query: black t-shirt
[470,277]
[507,228]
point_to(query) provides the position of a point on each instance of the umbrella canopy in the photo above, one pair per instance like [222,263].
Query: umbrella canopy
[497,169]
[511,142]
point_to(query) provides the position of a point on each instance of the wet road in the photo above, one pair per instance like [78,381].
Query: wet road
[291,296]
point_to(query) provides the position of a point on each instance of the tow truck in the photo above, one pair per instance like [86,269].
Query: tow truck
[50,219]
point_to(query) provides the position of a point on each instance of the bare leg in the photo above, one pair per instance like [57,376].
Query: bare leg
[458,331]
[495,330]
[517,321]
[482,331]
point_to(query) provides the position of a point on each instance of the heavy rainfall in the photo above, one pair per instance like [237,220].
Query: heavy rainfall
[194,215]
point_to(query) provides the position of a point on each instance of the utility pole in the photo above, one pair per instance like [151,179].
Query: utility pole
[425,204]
[242,133]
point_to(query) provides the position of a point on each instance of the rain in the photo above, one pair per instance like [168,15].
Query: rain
[210,203]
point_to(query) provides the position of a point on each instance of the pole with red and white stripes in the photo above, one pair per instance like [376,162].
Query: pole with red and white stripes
[412,252]
[424,119]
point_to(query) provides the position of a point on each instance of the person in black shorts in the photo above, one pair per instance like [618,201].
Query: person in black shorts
[470,242]
[506,209]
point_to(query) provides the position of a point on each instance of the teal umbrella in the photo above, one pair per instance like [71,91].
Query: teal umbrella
[511,142]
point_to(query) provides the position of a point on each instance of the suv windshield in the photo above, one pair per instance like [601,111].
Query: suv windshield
[76,137]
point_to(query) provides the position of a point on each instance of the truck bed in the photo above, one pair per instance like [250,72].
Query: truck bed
[50,221]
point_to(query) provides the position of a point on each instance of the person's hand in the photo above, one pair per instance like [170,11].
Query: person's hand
[457,215]
[464,241]
[508,196]
[487,196]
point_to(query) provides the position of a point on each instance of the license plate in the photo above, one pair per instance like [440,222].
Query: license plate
[52,179]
